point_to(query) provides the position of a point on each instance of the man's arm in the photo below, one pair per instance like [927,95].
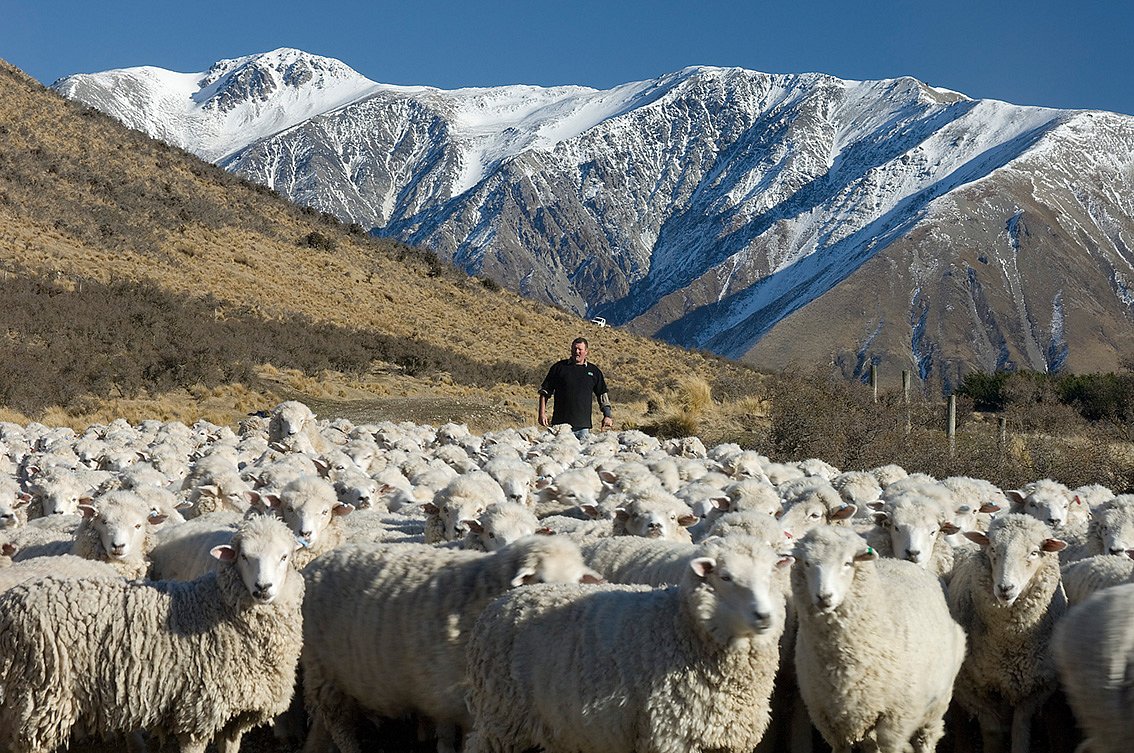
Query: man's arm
[607,413]
[542,413]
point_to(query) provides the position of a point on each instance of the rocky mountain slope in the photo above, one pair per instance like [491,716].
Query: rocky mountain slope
[786,219]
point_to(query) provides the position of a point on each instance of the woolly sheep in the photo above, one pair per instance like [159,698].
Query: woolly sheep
[499,525]
[292,426]
[1093,647]
[571,489]
[888,474]
[515,478]
[1049,502]
[975,501]
[861,657]
[652,513]
[1109,531]
[819,506]
[1009,594]
[858,488]
[118,528]
[1084,577]
[913,527]
[58,493]
[386,626]
[59,566]
[463,499]
[615,669]
[311,509]
[13,504]
[197,661]
[183,552]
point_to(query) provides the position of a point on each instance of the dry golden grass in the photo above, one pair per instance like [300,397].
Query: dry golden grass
[84,199]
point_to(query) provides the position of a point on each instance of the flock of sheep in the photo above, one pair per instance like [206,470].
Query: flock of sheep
[524,589]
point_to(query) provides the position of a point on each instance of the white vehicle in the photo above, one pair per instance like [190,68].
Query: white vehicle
[599,321]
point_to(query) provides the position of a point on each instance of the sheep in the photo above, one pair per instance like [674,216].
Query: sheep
[975,502]
[311,509]
[1086,576]
[1009,594]
[43,537]
[1048,501]
[858,488]
[1093,495]
[13,504]
[653,513]
[1109,531]
[199,661]
[913,527]
[57,493]
[118,528]
[888,474]
[605,669]
[515,478]
[462,499]
[1093,646]
[818,506]
[386,626]
[292,427]
[861,657]
[570,490]
[499,525]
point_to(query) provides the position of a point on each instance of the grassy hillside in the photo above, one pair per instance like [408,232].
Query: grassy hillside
[141,281]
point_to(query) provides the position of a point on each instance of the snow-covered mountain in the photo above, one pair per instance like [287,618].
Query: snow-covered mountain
[792,219]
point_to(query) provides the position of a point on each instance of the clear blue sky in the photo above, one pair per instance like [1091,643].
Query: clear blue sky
[1072,53]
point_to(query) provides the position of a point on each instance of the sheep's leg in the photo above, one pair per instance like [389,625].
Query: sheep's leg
[191,744]
[228,741]
[925,739]
[1022,722]
[448,735]
[318,737]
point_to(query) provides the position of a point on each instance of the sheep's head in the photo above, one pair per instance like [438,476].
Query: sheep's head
[308,505]
[1017,547]
[741,572]
[914,526]
[1113,525]
[120,519]
[548,559]
[1046,501]
[261,551]
[654,516]
[827,558]
[10,504]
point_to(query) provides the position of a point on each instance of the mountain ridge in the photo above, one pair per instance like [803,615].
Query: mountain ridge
[708,206]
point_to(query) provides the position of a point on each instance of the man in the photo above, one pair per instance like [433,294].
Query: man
[571,382]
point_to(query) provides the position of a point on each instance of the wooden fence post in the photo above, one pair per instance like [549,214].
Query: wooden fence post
[951,425]
[1002,437]
[906,398]
[874,380]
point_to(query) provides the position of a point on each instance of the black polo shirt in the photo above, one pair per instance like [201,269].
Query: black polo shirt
[572,385]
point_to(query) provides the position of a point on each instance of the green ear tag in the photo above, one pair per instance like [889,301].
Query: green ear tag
[870,550]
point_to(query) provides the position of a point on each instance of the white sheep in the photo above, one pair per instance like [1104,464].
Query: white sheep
[1110,530]
[1009,594]
[386,627]
[58,566]
[462,499]
[292,427]
[876,651]
[615,669]
[819,505]
[1084,577]
[570,490]
[311,509]
[975,501]
[653,513]
[912,526]
[858,488]
[183,552]
[13,504]
[499,525]
[1049,502]
[1093,647]
[198,661]
[118,528]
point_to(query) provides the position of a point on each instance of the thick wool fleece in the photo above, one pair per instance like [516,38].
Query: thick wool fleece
[82,658]
[617,669]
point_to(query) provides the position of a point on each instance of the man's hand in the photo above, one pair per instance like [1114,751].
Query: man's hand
[607,422]
[543,419]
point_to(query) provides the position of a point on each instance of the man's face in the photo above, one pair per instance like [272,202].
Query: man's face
[579,352]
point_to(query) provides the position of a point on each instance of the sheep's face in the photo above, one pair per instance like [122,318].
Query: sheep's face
[743,578]
[496,531]
[291,419]
[913,531]
[827,563]
[262,562]
[309,518]
[811,512]
[455,515]
[662,522]
[1047,506]
[121,527]
[9,507]
[1016,552]
[62,500]
[1114,531]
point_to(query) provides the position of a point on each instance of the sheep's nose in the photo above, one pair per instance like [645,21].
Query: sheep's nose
[1118,550]
[307,534]
[824,599]
[1005,591]
[1055,522]
[117,548]
[913,554]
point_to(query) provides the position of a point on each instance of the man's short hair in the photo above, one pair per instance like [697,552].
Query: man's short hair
[578,340]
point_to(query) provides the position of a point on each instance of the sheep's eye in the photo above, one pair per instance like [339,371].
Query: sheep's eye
[726,577]
[673,516]
[326,512]
[283,558]
[137,525]
[492,535]
[848,563]
[814,516]
[1035,553]
[1032,504]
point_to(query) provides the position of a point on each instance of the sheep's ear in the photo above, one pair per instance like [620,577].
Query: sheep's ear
[224,553]
[702,566]
[210,490]
[545,531]
[183,505]
[881,518]
[785,561]
[88,511]
[523,576]
[621,514]
[474,525]
[591,511]
[721,503]
[876,505]
[866,555]
[272,501]
[1016,497]
[686,520]
[7,549]
[341,509]
[1077,500]
[543,482]
[608,478]
[846,512]
[431,509]
[322,466]
[977,538]
[157,518]
[251,497]
[949,528]
[591,577]
[1053,545]
[989,508]
[22,499]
